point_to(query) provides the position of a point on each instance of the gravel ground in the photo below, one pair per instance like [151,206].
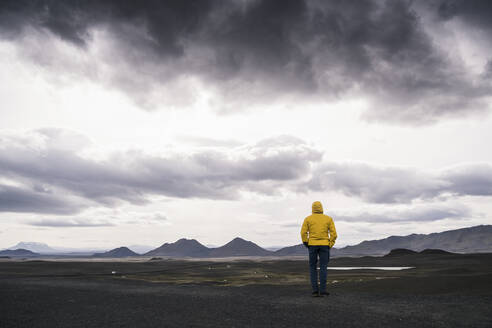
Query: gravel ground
[37,299]
[44,302]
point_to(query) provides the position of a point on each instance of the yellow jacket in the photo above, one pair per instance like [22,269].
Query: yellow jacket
[318,229]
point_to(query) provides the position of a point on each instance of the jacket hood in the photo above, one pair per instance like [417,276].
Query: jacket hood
[317,207]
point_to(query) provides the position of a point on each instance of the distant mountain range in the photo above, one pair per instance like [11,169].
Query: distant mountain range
[477,239]
[18,252]
[34,247]
[192,248]
[45,249]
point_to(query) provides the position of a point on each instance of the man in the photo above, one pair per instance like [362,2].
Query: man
[318,235]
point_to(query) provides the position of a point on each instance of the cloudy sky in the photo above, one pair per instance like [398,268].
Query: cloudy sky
[141,122]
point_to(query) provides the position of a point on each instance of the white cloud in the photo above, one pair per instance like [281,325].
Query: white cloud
[69,223]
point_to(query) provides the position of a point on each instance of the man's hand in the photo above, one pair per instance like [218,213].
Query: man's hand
[306,244]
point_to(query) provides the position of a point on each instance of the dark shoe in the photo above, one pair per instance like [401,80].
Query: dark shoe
[315,294]
[324,294]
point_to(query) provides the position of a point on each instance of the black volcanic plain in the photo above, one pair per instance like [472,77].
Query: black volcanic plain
[443,290]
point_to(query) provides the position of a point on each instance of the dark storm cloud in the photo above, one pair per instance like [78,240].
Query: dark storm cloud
[261,51]
[50,170]
[166,21]
[401,185]
[487,73]
[474,12]
[473,180]
[17,199]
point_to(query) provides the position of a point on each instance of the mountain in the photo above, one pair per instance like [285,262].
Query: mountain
[292,250]
[34,247]
[466,240]
[239,247]
[181,248]
[18,252]
[46,249]
[192,248]
[477,239]
[117,252]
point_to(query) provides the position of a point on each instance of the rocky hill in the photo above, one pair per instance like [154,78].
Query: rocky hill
[117,252]
[181,248]
[239,247]
[292,250]
[192,248]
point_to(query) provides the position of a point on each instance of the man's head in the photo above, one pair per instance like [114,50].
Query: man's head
[317,207]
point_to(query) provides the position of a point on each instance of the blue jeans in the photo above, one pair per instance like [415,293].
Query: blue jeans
[324,257]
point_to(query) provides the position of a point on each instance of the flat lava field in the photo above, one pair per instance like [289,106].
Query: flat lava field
[442,290]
